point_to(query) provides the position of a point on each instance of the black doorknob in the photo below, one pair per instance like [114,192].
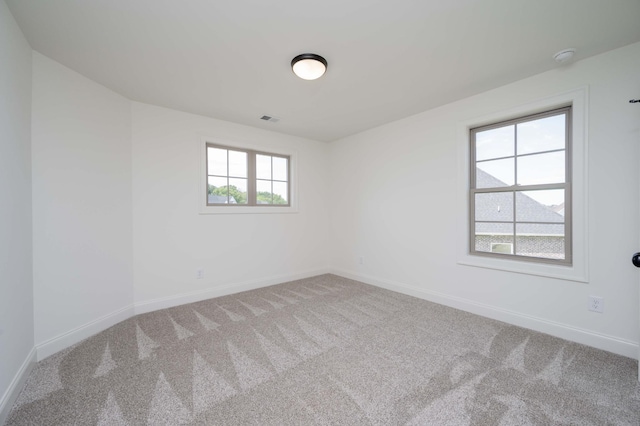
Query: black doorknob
[636,260]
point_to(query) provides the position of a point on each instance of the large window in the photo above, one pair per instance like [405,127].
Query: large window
[520,189]
[242,177]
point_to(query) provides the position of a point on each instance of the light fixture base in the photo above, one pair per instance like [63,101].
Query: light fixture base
[309,66]
[564,55]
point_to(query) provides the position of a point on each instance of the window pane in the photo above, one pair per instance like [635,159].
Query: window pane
[545,134]
[280,168]
[217,161]
[540,206]
[237,191]
[280,193]
[495,174]
[504,248]
[488,235]
[264,194]
[237,164]
[495,143]
[491,228]
[494,207]
[217,190]
[537,240]
[541,168]
[263,166]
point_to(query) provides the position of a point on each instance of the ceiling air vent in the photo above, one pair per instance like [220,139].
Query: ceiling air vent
[269,119]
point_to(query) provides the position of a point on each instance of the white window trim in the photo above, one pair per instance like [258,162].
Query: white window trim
[578,271]
[203,208]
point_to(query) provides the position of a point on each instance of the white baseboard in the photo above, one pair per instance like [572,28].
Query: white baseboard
[16,385]
[196,296]
[568,332]
[71,337]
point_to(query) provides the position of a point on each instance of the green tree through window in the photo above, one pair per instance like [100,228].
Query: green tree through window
[232,191]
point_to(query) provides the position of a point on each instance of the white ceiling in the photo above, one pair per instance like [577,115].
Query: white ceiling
[387,59]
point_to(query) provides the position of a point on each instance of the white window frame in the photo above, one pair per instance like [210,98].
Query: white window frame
[204,208]
[578,270]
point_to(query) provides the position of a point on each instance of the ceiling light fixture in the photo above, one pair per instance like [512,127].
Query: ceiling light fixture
[309,66]
[564,55]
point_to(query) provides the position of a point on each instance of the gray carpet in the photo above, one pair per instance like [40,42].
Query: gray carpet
[326,350]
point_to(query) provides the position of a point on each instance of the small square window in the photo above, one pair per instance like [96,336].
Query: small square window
[272,186]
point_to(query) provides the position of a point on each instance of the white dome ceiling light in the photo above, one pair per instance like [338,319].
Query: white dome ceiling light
[309,66]
[564,55]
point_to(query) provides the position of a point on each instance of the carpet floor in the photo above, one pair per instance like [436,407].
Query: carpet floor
[326,350]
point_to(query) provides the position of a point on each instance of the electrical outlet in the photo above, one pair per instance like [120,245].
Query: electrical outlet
[199,273]
[596,304]
[361,260]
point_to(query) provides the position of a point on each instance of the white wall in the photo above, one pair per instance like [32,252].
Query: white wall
[236,251]
[16,283]
[395,200]
[82,225]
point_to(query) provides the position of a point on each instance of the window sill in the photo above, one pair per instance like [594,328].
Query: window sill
[247,210]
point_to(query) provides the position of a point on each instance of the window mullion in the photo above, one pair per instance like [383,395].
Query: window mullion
[516,179]
[228,182]
[521,188]
[514,223]
[251,175]
[271,180]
